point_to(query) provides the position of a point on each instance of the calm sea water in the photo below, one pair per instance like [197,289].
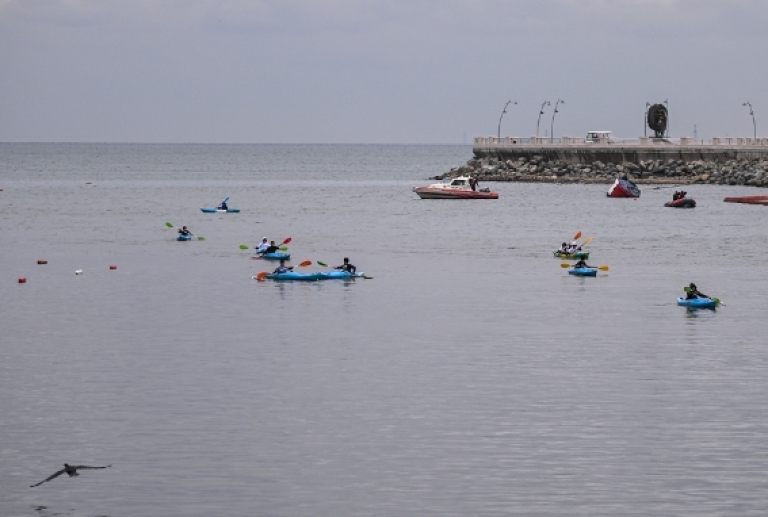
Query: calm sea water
[470,376]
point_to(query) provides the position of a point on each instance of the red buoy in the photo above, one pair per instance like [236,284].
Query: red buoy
[113,266]
[22,280]
[42,261]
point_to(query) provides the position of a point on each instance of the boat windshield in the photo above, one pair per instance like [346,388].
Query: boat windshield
[459,182]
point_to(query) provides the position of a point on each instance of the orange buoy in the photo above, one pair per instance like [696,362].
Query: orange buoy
[22,280]
[42,261]
[113,266]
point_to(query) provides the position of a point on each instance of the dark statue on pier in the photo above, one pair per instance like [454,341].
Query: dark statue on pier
[657,119]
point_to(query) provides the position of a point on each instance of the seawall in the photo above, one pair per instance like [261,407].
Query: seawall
[731,161]
[622,151]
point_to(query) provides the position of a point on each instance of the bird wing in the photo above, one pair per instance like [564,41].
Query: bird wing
[80,467]
[57,474]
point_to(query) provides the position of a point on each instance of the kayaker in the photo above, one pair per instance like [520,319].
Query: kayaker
[282,268]
[582,264]
[222,206]
[263,246]
[574,247]
[346,266]
[564,248]
[184,231]
[692,293]
[271,248]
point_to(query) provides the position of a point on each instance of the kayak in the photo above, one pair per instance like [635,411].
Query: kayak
[277,255]
[183,237]
[294,275]
[340,274]
[571,256]
[582,271]
[698,303]
[685,202]
[220,211]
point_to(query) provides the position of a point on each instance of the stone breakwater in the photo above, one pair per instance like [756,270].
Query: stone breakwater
[745,171]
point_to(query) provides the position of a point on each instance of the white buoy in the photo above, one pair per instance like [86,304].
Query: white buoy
[79,272]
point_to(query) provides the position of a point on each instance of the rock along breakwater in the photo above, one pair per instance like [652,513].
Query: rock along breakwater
[588,163]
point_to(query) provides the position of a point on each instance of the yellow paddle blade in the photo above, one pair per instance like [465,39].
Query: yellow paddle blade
[589,239]
[603,268]
[565,265]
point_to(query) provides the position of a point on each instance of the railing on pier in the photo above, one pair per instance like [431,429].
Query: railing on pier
[541,141]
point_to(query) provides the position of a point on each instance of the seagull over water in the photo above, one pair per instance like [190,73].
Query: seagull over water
[71,470]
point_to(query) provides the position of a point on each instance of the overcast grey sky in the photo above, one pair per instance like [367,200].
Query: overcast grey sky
[358,71]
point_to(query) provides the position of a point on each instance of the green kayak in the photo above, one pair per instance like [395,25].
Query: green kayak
[571,256]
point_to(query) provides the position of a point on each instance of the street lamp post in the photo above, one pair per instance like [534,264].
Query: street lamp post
[498,133]
[754,124]
[552,126]
[666,103]
[541,112]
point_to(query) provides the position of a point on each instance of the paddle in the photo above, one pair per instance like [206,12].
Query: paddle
[168,224]
[589,239]
[577,236]
[601,268]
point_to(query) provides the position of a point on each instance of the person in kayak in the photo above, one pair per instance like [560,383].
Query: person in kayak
[692,293]
[346,266]
[272,248]
[574,247]
[582,264]
[282,268]
[184,231]
[564,248]
[263,246]
[222,206]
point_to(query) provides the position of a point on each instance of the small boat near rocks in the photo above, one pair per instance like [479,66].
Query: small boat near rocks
[623,187]
[750,200]
[457,188]
[685,202]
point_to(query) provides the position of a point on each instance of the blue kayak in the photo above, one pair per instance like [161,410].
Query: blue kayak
[220,211]
[294,275]
[183,237]
[698,303]
[340,274]
[278,255]
[582,271]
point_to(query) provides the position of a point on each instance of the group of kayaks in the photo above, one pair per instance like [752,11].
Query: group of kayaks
[692,303]
[336,274]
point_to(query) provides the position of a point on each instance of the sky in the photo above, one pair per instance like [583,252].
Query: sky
[385,71]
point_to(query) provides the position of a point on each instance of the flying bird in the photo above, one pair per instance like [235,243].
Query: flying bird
[71,470]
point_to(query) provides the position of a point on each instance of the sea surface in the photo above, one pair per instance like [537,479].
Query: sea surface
[470,376]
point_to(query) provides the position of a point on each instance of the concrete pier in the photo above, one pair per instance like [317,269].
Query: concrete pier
[619,151]
[723,161]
